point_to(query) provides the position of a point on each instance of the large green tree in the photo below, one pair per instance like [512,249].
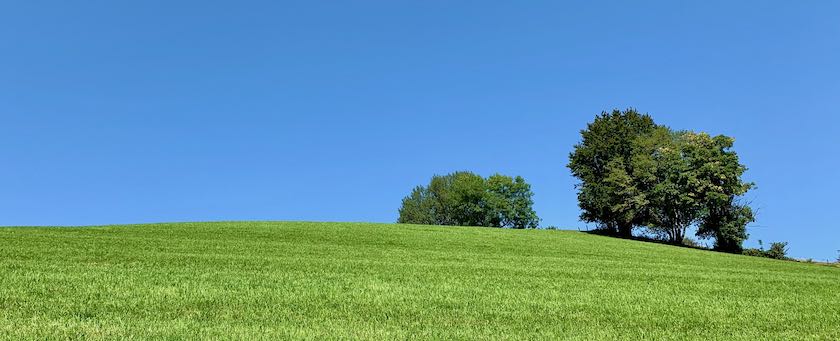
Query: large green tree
[634,173]
[670,183]
[692,179]
[719,171]
[603,163]
[467,199]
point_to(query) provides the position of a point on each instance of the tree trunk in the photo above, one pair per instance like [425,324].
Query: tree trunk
[625,230]
[674,235]
[677,235]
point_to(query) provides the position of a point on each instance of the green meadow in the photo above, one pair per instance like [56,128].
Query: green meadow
[298,280]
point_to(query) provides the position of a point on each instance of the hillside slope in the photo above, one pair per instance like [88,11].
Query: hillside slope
[328,280]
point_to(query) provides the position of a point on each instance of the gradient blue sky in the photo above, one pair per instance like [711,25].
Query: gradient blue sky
[153,111]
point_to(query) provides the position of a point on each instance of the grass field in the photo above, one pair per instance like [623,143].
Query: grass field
[251,280]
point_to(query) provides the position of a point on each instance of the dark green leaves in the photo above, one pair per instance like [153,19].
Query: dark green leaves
[634,173]
[608,194]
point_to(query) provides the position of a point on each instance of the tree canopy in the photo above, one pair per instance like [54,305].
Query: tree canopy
[603,161]
[634,173]
[467,199]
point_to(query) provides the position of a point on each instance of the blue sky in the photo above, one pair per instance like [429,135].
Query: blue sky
[146,111]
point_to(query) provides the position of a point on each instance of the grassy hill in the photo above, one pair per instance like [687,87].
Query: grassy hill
[250,280]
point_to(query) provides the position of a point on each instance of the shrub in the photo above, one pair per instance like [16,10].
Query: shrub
[687,241]
[754,253]
[778,250]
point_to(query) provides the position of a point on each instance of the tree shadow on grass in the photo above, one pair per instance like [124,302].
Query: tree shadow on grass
[651,239]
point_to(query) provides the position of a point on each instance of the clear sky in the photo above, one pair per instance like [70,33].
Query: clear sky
[156,111]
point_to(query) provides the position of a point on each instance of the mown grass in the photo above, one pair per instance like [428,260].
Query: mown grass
[268,280]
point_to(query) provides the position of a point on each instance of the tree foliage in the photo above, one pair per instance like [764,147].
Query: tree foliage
[603,162]
[467,199]
[693,179]
[778,250]
[634,173]
[671,186]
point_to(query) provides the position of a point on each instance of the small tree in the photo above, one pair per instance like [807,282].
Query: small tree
[466,199]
